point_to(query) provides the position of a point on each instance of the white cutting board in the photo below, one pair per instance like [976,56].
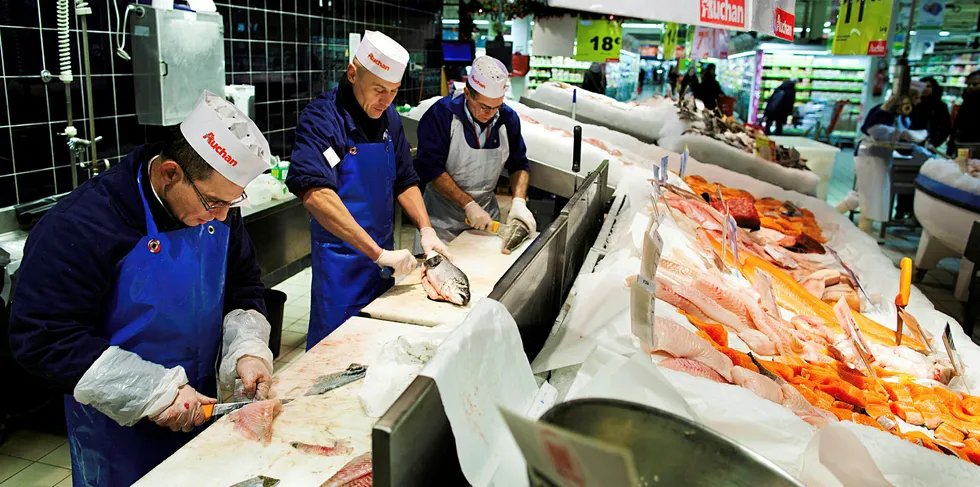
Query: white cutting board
[220,456]
[477,254]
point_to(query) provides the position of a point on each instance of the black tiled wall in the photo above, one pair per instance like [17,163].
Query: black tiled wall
[290,50]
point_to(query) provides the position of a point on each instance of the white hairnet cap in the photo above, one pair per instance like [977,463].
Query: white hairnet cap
[489,77]
[382,56]
[225,137]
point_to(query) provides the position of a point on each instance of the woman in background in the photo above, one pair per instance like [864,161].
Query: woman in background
[932,114]
[708,91]
[689,84]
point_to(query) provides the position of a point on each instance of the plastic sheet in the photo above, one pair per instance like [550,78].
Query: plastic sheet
[398,363]
[480,367]
[127,388]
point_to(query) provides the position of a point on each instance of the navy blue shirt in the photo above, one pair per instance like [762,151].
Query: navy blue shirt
[435,132]
[326,124]
[70,266]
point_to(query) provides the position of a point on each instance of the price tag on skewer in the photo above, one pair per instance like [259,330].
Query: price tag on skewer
[643,293]
[917,330]
[684,157]
[853,331]
[663,170]
[732,232]
[852,275]
[954,356]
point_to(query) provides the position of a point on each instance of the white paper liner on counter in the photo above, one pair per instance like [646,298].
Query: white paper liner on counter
[479,368]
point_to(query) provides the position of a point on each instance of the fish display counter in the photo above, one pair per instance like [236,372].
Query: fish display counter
[310,439]
[947,202]
[819,158]
[779,346]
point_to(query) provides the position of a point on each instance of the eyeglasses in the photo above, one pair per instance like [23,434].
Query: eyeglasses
[486,108]
[218,205]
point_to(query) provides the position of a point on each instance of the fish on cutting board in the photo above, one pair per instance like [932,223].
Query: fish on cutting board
[254,421]
[513,235]
[339,448]
[443,281]
[356,473]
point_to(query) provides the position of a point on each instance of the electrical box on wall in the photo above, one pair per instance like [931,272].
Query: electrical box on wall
[177,54]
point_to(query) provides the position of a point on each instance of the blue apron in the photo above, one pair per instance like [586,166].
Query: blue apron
[166,307]
[344,279]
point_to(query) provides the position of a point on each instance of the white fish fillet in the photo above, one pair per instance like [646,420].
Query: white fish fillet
[761,385]
[672,338]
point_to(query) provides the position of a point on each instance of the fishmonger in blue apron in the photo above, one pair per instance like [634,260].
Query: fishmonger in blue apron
[350,163]
[140,290]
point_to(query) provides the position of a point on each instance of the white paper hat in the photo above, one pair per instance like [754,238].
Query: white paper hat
[225,137]
[382,56]
[489,77]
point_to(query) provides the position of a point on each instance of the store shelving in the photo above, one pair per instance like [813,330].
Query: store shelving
[622,77]
[949,68]
[822,82]
[737,79]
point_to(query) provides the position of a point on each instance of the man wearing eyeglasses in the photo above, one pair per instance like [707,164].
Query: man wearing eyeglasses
[140,291]
[465,141]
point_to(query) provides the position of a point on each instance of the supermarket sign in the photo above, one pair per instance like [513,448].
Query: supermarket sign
[757,15]
[782,24]
[730,13]
[862,28]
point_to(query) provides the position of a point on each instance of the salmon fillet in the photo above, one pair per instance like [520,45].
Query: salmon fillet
[254,421]
[715,331]
[948,433]
[356,473]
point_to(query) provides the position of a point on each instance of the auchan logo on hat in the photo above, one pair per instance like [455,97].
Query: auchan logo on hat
[478,83]
[222,153]
[723,12]
[378,62]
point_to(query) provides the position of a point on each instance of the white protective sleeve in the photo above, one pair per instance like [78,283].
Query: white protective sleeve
[245,333]
[127,388]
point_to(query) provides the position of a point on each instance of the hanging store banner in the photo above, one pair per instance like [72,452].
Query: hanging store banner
[670,38]
[598,41]
[862,28]
[931,13]
[555,36]
[709,42]
[757,15]
[783,22]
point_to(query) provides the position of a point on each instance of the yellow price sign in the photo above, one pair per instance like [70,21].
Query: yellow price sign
[862,28]
[670,40]
[598,41]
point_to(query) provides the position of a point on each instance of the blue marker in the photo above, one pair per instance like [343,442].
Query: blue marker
[663,170]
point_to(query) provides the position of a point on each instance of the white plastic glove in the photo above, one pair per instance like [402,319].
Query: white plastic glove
[185,413]
[431,242]
[402,261]
[256,377]
[477,217]
[519,211]
[126,388]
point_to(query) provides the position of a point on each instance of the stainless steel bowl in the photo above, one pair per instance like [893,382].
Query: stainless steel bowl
[668,449]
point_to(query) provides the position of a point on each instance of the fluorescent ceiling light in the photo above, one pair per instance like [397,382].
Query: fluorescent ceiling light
[911,32]
[508,22]
[630,25]
[797,29]
[826,24]
[475,22]
[742,54]
[826,31]
[944,33]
